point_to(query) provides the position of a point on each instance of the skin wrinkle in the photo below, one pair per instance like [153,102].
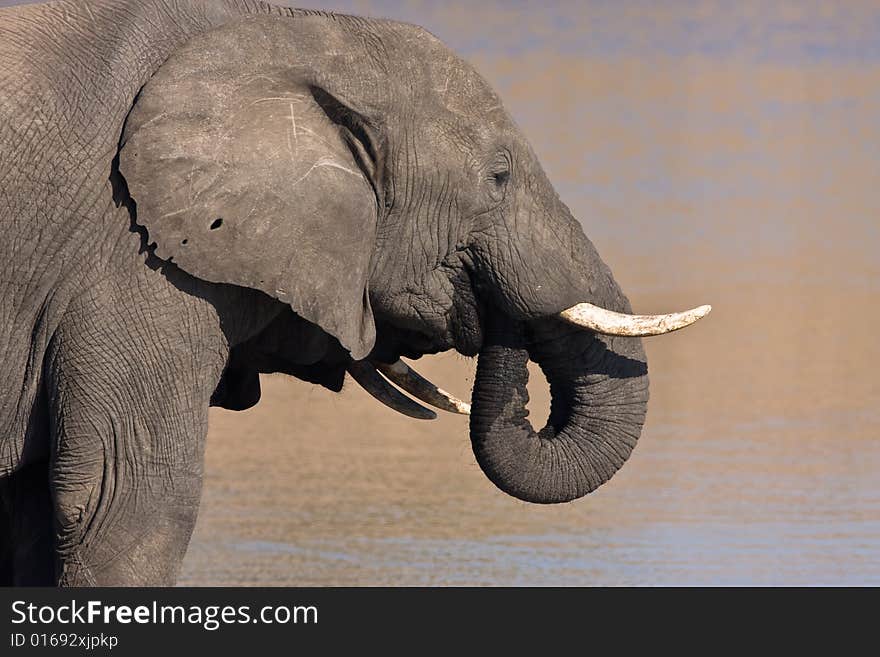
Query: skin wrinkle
[166,454]
[428,197]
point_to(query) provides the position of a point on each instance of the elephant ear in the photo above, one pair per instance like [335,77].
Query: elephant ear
[262,180]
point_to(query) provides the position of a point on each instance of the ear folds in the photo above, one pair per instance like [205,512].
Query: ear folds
[249,178]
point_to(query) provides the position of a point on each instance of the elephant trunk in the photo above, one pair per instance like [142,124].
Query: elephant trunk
[599,394]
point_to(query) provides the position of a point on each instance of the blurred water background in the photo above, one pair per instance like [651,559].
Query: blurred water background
[715,152]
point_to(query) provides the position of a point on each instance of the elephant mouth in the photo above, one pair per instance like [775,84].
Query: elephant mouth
[598,389]
[376,376]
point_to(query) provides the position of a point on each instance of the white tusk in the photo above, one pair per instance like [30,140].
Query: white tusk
[371,381]
[420,388]
[608,322]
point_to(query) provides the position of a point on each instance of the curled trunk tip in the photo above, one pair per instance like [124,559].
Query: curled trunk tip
[598,405]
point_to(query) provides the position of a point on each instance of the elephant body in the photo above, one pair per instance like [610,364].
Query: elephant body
[83,303]
[194,192]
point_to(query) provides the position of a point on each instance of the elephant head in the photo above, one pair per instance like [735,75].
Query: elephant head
[361,173]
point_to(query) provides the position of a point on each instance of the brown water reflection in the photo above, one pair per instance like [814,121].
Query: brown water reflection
[741,173]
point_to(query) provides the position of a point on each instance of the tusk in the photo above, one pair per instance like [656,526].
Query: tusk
[420,388]
[608,322]
[371,381]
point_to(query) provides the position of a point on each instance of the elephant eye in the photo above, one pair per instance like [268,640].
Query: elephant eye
[497,183]
[499,175]
[500,178]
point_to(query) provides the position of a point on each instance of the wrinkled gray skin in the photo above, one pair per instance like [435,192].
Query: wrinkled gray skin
[374,199]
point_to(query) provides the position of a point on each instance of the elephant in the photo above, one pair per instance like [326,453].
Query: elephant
[196,192]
